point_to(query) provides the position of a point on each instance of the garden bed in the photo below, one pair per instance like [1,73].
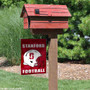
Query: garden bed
[65,71]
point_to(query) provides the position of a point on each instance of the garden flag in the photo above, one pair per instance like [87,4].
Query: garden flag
[33,56]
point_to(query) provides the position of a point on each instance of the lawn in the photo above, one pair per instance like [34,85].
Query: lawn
[12,80]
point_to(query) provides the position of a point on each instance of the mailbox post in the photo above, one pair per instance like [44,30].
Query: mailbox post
[47,20]
[53,79]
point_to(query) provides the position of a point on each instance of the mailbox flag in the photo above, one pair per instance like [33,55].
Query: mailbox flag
[33,56]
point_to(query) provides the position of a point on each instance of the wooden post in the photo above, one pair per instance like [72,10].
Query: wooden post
[53,80]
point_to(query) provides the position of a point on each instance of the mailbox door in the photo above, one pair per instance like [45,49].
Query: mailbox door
[48,23]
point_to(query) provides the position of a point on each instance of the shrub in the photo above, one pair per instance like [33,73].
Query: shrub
[11,31]
[70,47]
[85,28]
[12,3]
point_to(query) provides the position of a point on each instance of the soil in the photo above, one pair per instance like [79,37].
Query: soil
[65,70]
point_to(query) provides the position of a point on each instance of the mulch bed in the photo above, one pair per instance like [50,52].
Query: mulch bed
[65,70]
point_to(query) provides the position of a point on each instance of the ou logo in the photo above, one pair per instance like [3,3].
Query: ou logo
[30,57]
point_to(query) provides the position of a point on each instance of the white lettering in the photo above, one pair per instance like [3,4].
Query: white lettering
[33,45]
[33,71]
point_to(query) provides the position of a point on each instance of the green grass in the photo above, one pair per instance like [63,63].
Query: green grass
[11,80]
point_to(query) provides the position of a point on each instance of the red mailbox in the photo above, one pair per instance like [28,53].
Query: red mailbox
[45,19]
